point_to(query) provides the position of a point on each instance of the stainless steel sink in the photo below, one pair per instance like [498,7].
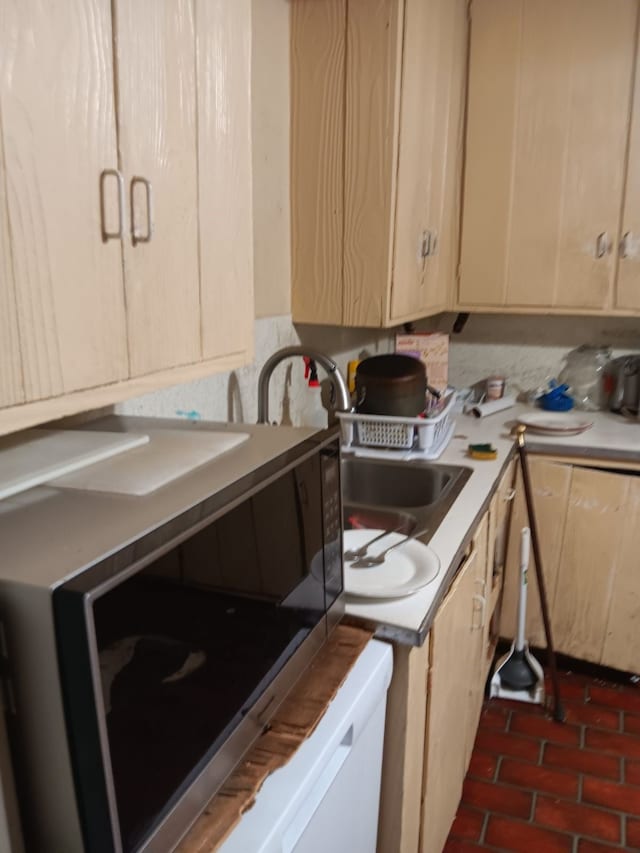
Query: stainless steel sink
[399,495]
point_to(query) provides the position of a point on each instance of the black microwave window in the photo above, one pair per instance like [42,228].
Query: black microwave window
[187,645]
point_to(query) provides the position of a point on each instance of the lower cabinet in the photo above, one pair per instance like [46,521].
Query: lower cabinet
[436,696]
[454,700]
[587,519]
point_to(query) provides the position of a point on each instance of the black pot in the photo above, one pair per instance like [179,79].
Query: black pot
[391,385]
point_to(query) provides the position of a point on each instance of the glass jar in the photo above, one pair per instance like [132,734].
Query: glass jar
[584,374]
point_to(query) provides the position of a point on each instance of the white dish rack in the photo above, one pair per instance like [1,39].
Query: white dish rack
[395,437]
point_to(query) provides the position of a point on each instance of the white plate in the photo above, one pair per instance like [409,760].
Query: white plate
[555,423]
[406,569]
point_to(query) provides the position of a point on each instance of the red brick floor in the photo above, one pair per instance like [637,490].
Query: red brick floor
[536,786]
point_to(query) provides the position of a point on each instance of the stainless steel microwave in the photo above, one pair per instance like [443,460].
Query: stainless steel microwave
[148,640]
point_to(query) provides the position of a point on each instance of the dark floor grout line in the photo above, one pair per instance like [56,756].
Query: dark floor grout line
[496,772]
[580,787]
[483,830]
[534,802]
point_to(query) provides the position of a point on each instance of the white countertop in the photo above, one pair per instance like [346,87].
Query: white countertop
[611,436]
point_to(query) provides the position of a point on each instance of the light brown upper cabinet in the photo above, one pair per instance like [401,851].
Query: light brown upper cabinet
[62,288]
[377,101]
[156,61]
[550,89]
[125,200]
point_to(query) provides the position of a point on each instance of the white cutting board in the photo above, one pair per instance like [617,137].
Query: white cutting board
[39,455]
[169,454]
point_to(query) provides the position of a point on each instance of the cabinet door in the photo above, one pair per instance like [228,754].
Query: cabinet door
[623,622]
[551,483]
[155,43]
[597,518]
[58,134]
[476,652]
[434,51]
[448,715]
[224,176]
[549,92]
[372,115]
[628,282]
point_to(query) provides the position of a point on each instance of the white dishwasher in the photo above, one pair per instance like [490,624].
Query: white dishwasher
[327,797]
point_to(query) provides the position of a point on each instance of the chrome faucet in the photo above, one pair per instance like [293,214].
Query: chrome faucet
[342,398]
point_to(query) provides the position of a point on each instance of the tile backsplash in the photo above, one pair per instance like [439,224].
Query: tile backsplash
[527,349]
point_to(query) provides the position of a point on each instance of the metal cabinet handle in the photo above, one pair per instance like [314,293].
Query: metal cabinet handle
[111,235]
[624,244]
[602,244]
[428,244]
[136,235]
[482,601]
[509,495]
[425,244]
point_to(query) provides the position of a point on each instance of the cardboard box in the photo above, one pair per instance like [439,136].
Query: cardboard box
[432,348]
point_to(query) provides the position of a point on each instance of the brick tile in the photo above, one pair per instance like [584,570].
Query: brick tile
[483,764]
[467,824]
[535,778]
[622,798]
[584,761]
[632,772]
[571,687]
[457,845]
[632,724]
[568,817]
[494,717]
[592,715]
[627,746]
[586,846]
[522,837]
[508,744]
[544,728]
[497,798]
[633,834]
[628,699]
[521,707]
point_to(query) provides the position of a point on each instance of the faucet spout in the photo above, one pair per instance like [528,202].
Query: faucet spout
[343,400]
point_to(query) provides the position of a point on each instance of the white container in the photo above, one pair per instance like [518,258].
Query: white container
[327,797]
[424,435]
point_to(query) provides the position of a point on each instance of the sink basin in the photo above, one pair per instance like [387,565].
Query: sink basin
[399,495]
[379,482]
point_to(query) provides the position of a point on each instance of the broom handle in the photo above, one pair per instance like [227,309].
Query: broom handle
[525,540]
[558,708]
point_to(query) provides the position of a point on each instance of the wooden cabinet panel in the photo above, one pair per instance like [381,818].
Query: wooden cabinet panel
[550,85]
[449,719]
[628,280]
[11,389]
[551,483]
[429,152]
[318,39]
[59,133]
[623,622]
[403,753]
[376,157]
[155,43]
[224,176]
[475,653]
[372,108]
[597,515]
